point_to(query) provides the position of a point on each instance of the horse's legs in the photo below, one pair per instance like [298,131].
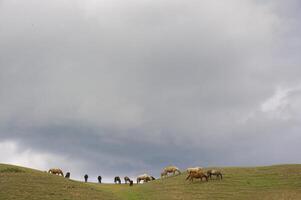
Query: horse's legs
[220,176]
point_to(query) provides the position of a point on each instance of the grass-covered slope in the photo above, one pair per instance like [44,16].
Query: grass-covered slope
[273,182]
[26,184]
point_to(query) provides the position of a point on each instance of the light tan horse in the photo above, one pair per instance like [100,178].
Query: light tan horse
[194,169]
[170,169]
[56,171]
[163,174]
[145,178]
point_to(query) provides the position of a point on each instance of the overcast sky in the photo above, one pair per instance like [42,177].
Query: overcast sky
[115,87]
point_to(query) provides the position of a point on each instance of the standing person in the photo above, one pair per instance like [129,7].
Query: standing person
[86,178]
[99,179]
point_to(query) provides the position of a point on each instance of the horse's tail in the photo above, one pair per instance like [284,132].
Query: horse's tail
[221,175]
[178,171]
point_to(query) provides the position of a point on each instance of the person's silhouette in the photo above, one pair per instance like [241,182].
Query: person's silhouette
[86,178]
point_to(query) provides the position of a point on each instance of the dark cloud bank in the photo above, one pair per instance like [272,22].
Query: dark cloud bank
[129,87]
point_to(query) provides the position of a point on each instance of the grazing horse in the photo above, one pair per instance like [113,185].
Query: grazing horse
[56,172]
[67,175]
[213,172]
[117,179]
[86,178]
[145,178]
[127,179]
[99,179]
[197,175]
[163,174]
[170,169]
[194,169]
[131,183]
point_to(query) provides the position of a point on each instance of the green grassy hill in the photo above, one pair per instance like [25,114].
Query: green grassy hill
[272,182]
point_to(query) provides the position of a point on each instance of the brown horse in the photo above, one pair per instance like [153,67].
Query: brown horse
[213,172]
[196,175]
[56,172]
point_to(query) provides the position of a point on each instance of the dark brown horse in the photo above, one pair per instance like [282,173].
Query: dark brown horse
[67,175]
[127,179]
[117,179]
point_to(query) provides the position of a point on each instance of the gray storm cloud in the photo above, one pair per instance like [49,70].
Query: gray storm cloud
[96,85]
